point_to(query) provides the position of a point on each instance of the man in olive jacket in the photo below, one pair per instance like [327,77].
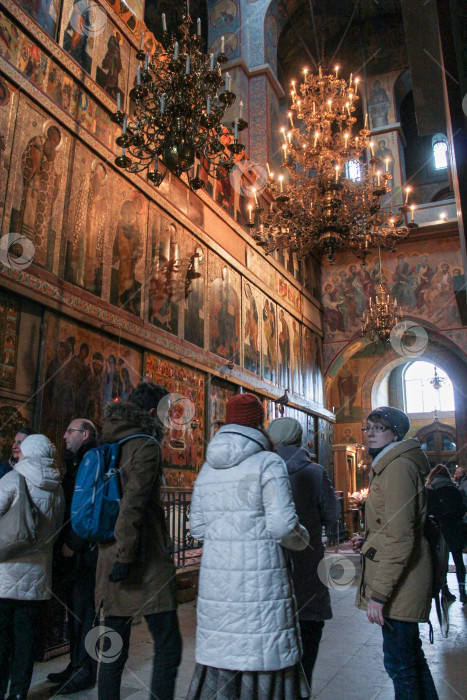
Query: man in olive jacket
[395,583]
[136,573]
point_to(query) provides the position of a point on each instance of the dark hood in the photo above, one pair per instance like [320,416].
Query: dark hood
[122,418]
[440,481]
[294,456]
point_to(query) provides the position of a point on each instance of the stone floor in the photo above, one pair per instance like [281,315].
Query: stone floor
[349,664]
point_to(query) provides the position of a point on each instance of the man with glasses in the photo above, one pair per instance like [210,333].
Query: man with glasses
[76,562]
[395,583]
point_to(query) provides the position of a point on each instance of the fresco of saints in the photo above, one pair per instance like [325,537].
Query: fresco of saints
[164,286]
[270,347]
[284,351]
[251,359]
[194,299]
[297,381]
[126,253]
[108,73]
[85,252]
[224,314]
[40,190]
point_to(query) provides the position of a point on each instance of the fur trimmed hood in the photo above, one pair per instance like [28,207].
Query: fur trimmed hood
[123,418]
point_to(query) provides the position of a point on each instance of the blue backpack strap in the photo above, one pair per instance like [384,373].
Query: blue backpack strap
[153,439]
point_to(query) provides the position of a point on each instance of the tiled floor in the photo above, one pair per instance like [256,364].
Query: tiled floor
[349,664]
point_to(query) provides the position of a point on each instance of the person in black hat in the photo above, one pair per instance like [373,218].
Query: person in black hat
[395,583]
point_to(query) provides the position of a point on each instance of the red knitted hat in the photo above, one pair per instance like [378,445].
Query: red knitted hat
[245,409]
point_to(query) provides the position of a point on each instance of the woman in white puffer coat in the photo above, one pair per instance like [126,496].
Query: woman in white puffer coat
[27,580]
[247,638]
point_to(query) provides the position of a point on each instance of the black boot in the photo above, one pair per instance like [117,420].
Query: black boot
[447,595]
[61,676]
[462,594]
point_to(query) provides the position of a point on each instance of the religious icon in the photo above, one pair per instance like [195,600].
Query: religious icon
[45,12]
[78,38]
[224,316]
[166,283]
[251,330]
[109,72]
[194,298]
[378,105]
[125,290]
[269,341]
[284,351]
[223,13]
[88,222]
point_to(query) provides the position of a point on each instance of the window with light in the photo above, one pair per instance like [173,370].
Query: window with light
[353,170]
[420,394]
[440,151]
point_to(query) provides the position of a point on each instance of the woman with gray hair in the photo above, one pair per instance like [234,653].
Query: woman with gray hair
[316,505]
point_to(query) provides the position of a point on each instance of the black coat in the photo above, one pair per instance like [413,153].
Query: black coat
[446,504]
[316,505]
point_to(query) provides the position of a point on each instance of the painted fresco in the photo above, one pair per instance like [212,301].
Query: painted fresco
[285,340]
[194,314]
[128,247]
[380,104]
[271,32]
[89,220]
[82,371]
[224,309]
[12,418]
[36,195]
[272,278]
[130,12]
[112,58]
[230,45]
[310,351]
[183,447]
[45,12]
[223,13]
[296,368]
[312,276]
[10,307]
[423,285]
[8,111]
[269,340]
[252,328]
[346,391]
[219,393]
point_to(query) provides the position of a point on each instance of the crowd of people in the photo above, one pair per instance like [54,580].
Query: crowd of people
[259,506]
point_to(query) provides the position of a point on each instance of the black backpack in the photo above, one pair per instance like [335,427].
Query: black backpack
[439,563]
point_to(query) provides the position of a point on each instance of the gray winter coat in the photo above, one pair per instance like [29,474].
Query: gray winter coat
[242,508]
[29,577]
[316,505]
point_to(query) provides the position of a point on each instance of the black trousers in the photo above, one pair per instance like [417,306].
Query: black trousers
[311,631]
[18,624]
[167,656]
[81,617]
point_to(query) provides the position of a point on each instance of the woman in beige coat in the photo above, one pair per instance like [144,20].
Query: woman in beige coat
[395,584]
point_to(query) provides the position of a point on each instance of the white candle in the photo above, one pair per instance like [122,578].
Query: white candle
[187,65]
[222,44]
[227,82]
[316,138]
[141,42]
[337,173]
[198,26]
[198,170]
[284,146]
[366,120]
[386,160]
[156,165]
[283,134]
[357,80]
[208,105]
[412,210]
[291,119]
[146,62]
[348,108]
[163,103]
[236,130]
[256,197]
[176,51]
[118,102]
[241,109]
[350,81]
[314,108]
[378,174]
[320,73]
[211,62]
[138,75]
[337,70]
[281,183]
[269,169]
[164,23]
[250,207]
[125,118]
[407,192]
[305,71]
[123,152]
[372,149]
[346,137]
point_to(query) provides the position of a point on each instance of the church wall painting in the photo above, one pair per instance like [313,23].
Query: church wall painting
[76,32]
[8,112]
[269,340]
[36,194]
[252,327]
[224,309]
[112,61]
[312,365]
[81,372]
[285,343]
[10,309]
[219,393]
[421,282]
[13,416]
[194,290]
[128,236]
[183,446]
[89,222]
[44,12]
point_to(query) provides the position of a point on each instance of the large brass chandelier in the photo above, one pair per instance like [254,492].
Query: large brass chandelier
[328,194]
[180,98]
[382,313]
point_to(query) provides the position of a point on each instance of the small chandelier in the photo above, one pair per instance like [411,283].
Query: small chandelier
[179,107]
[382,314]
[436,381]
[331,199]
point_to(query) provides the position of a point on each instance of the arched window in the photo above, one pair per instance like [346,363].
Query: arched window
[439,144]
[353,170]
[420,394]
